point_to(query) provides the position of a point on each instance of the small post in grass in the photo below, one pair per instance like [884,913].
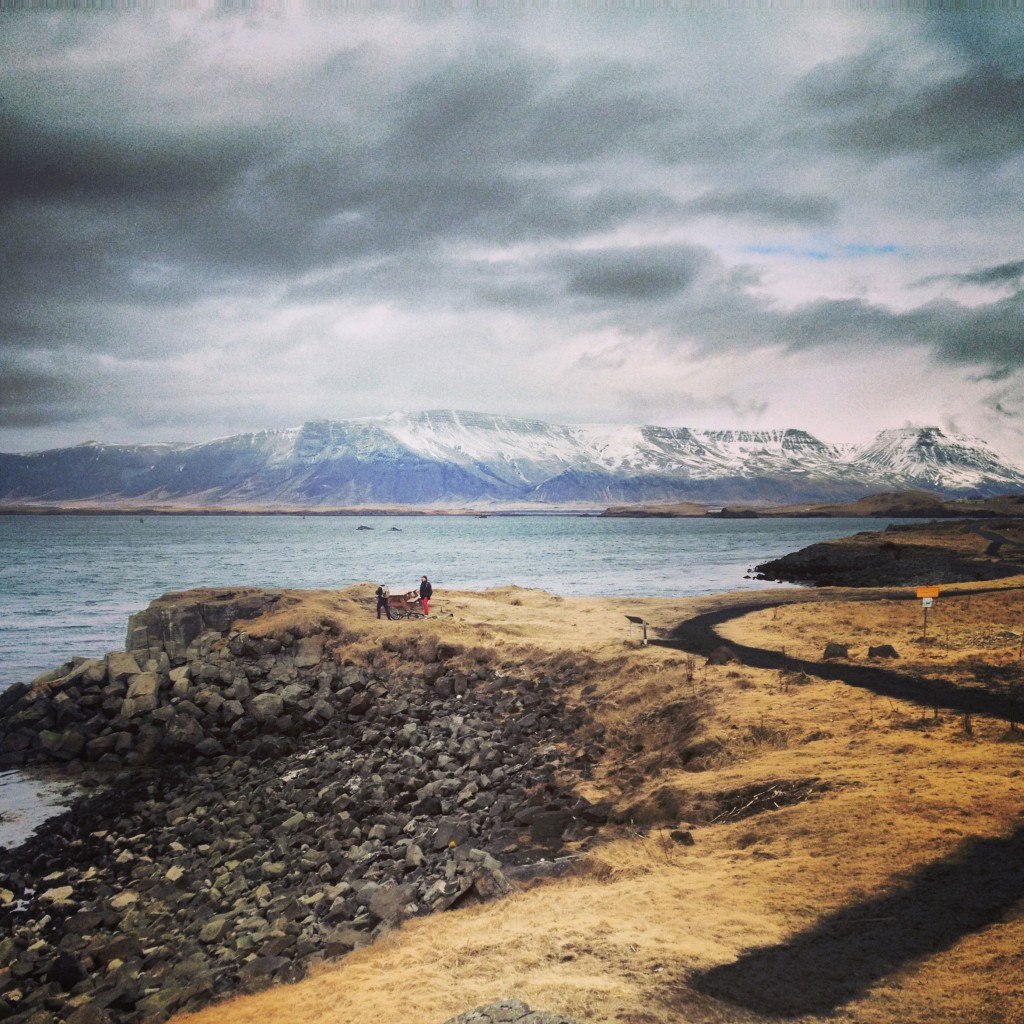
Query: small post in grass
[927,595]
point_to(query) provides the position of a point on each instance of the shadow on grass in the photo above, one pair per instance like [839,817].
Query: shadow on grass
[847,952]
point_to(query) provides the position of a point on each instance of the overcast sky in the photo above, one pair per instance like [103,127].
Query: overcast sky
[218,222]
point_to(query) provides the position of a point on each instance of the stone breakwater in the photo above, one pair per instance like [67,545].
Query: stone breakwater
[258,804]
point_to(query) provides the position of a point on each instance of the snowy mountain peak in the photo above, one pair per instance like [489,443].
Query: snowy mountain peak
[932,457]
[447,457]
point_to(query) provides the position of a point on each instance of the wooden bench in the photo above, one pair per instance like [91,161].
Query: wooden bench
[405,606]
[635,620]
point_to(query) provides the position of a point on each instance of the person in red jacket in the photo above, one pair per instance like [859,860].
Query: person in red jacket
[425,591]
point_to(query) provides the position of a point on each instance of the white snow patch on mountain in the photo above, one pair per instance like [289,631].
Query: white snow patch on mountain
[450,457]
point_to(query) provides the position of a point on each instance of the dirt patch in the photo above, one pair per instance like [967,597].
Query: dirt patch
[668,805]
[759,797]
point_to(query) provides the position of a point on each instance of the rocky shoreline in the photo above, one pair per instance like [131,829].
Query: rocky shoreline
[259,803]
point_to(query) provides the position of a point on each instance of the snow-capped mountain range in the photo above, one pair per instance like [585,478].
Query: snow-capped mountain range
[446,458]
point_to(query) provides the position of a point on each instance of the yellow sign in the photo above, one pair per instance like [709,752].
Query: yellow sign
[927,591]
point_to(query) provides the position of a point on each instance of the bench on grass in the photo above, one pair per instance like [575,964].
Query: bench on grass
[635,620]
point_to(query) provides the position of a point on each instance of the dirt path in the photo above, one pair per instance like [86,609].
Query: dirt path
[998,541]
[699,636]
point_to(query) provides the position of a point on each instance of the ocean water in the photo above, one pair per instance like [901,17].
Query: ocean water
[27,799]
[69,583]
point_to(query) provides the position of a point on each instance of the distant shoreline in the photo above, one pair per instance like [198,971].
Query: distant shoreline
[894,505]
[639,513]
[76,510]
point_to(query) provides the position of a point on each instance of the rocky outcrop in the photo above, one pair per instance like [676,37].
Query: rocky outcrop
[887,558]
[268,803]
[172,623]
[883,651]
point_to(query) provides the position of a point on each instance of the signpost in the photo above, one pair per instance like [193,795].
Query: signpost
[927,595]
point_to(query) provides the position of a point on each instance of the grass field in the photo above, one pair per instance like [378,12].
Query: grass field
[973,639]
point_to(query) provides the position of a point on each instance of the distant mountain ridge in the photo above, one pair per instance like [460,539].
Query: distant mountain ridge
[447,458]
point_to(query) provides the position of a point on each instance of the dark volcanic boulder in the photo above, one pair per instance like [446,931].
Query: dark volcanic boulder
[723,656]
[883,651]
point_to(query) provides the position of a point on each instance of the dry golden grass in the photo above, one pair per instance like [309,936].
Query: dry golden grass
[627,938]
[973,639]
[501,614]
[959,538]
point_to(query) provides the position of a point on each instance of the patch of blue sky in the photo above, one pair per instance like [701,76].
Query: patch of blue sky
[828,251]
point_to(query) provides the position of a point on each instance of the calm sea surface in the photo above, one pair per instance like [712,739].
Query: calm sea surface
[69,583]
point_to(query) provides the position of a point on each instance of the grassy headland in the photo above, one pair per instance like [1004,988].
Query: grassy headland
[909,554]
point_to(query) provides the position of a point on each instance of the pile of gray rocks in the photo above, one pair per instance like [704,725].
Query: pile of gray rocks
[258,805]
[180,688]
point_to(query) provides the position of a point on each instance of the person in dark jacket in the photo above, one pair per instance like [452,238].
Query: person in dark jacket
[382,601]
[425,591]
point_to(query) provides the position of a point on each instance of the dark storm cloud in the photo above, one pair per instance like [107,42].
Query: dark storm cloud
[869,105]
[767,206]
[689,297]
[413,273]
[692,300]
[994,376]
[619,284]
[991,334]
[31,397]
[47,163]
[504,106]
[1004,273]
[1001,274]
[465,152]
[615,108]
[365,188]
[987,335]
[500,147]
[984,40]
[631,274]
